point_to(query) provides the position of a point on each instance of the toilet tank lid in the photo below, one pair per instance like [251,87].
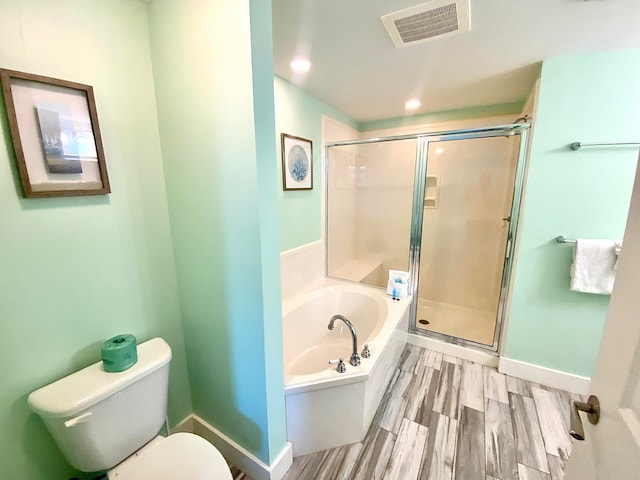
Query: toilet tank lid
[80,390]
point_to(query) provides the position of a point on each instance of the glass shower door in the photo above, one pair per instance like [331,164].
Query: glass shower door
[467,204]
[369,200]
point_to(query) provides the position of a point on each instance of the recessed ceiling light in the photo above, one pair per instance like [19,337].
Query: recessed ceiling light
[439,150]
[300,65]
[412,104]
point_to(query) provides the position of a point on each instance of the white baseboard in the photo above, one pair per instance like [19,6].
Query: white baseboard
[545,376]
[454,350]
[186,425]
[236,454]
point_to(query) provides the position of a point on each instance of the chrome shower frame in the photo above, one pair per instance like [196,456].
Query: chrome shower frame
[421,163]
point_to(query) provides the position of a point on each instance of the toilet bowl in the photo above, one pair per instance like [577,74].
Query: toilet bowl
[178,456]
[105,421]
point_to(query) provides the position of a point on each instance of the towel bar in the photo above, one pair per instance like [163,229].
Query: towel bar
[579,145]
[563,239]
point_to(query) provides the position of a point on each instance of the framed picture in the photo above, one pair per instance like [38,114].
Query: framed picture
[55,134]
[297,163]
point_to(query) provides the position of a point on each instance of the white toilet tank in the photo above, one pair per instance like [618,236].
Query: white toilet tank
[97,418]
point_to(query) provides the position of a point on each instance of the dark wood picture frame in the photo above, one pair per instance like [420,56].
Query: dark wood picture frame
[297,162]
[55,134]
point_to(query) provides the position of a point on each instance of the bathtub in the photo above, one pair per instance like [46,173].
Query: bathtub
[326,409]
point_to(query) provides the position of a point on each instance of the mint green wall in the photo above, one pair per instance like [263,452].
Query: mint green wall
[264,123]
[76,271]
[299,113]
[215,106]
[578,194]
[446,116]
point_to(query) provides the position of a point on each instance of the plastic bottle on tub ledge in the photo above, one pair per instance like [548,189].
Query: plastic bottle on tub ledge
[398,284]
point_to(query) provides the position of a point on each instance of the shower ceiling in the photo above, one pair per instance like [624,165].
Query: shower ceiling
[357,69]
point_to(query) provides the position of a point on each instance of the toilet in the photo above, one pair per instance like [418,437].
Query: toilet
[111,422]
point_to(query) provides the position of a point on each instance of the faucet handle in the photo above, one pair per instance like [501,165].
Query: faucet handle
[341,368]
[366,350]
[355,358]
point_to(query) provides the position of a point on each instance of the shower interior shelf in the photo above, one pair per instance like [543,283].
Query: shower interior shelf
[431,192]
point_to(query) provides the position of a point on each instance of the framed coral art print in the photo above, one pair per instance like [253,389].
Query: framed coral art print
[55,135]
[297,163]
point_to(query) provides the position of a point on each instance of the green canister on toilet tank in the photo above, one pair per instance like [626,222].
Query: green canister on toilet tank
[119,353]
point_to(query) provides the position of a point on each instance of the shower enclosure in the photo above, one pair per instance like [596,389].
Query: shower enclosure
[442,206]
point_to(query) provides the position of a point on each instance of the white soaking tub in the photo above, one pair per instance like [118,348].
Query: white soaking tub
[326,409]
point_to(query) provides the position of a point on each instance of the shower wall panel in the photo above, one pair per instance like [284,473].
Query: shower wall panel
[385,196]
[341,251]
[464,237]
[370,194]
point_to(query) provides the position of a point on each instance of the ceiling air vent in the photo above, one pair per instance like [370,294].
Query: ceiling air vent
[427,21]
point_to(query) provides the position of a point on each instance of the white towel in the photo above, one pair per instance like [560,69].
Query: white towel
[593,266]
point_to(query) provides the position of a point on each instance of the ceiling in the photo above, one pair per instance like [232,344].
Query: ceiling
[357,69]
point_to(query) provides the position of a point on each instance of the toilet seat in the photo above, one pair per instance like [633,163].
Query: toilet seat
[178,456]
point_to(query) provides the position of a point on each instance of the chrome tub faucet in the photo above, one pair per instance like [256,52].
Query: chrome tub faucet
[355,358]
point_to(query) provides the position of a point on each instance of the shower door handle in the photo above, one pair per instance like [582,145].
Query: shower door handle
[508,249]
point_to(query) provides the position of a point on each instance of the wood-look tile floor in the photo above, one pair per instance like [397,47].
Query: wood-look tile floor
[443,418]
